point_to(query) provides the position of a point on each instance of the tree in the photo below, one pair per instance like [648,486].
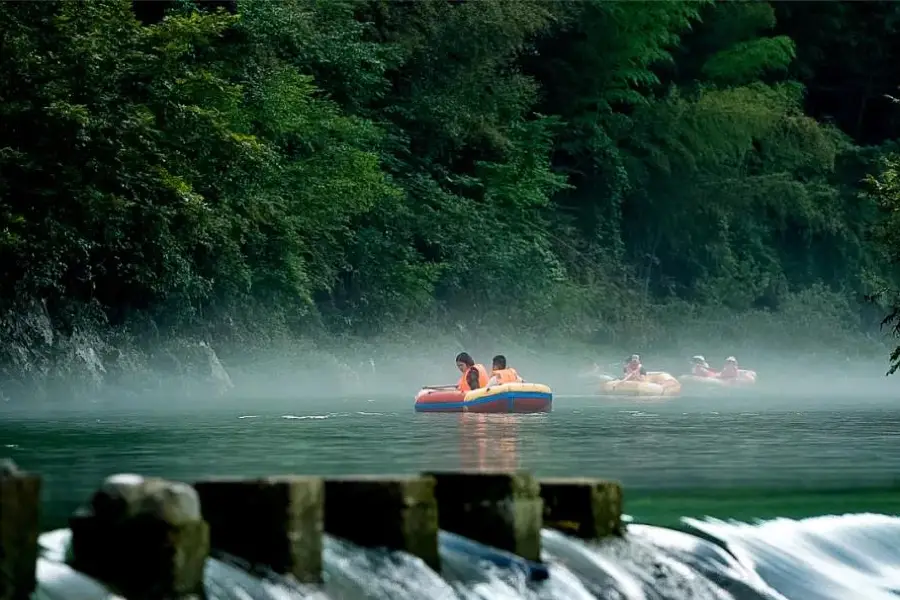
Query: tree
[884,189]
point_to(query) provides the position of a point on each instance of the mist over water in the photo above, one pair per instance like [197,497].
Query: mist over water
[291,376]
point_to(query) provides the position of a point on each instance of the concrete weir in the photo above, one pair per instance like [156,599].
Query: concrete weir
[272,523]
[395,513]
[587,508]
[150,538]
[498,509]
[19,528]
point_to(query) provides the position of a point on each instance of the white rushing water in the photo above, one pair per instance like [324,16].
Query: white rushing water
[848,557]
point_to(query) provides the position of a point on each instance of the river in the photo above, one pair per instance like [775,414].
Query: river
[683,464]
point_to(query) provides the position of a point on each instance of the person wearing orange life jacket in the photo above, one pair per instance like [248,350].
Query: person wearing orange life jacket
[730,370]
[474,375]
[634,370]
[701,367]
[501,373]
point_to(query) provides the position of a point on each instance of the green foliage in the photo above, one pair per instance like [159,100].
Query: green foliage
[169,180]
[358,165]
[750,60]
[884,188]
[737,50]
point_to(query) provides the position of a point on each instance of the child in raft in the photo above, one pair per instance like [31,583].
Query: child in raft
[501,373]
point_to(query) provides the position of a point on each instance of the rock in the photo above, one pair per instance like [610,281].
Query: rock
[217,373]
[26,348]
[8,468]
[195,367]
[126,496]
[143,537]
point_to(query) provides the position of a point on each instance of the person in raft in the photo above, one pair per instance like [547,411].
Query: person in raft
[634,370]
[474,376]
[501,373]
[701,367]
[730,370]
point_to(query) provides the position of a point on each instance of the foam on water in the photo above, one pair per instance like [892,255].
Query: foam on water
[821,558]
[827,558]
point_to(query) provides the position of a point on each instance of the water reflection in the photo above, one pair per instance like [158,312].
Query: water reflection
[488,442]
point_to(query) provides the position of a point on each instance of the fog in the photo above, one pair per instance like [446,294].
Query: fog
[303,379]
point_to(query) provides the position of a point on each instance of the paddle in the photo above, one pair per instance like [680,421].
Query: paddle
[438,387]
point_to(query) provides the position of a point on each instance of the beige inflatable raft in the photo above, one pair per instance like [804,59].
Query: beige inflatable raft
[654,383]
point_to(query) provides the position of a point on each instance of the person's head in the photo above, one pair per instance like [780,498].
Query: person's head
[731,361]
[634,359]
[698,360]
[464,361]
[499,362]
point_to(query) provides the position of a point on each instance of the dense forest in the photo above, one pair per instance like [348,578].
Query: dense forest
[601,170]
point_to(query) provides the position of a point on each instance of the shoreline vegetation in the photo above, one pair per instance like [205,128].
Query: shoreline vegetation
[182,182]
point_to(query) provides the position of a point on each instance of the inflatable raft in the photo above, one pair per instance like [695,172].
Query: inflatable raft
[506,398]
[655,383]
[745,377]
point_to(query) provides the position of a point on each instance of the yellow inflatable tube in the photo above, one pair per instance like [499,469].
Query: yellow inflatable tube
[525,389]
[655,383]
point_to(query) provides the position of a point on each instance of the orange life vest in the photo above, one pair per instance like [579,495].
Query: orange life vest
[729,372]
[507,375]
[701,371]
[463,385]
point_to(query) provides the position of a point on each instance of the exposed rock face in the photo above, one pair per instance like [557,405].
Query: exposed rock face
[85,356]
[218,376]
[80,355]
[26,342]
[144,537]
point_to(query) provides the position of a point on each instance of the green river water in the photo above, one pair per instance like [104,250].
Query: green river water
[688,457]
